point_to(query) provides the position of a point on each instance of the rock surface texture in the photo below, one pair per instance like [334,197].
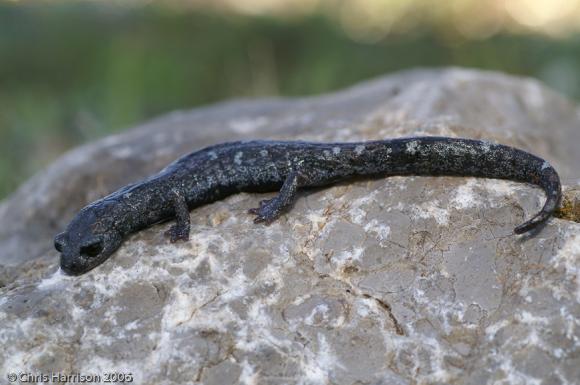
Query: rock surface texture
[403,280]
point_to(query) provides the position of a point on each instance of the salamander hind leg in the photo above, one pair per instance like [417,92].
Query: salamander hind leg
[180,230]
[271,209]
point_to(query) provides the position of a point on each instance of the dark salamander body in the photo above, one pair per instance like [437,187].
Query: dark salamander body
[260,166]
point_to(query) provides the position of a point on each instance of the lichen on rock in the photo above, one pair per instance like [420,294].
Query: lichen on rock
[570,207]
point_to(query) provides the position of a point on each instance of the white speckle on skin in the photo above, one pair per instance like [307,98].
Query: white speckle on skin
[412,147]
[264,152]
[336,150]
[486,146]
[359,149]
[238,158]
[212,155]
[326,153]
[545,165]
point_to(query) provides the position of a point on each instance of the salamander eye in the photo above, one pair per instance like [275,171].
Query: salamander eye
[93,248]
[59,242]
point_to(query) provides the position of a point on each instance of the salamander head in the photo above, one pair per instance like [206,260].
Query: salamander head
[87,242]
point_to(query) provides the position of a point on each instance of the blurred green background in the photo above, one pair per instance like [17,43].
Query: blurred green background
[74,71]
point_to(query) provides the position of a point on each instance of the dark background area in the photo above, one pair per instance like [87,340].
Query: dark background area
[72,72]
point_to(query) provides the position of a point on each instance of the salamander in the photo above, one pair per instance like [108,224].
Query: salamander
[215,172]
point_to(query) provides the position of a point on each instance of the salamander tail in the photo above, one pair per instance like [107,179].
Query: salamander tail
[550,182]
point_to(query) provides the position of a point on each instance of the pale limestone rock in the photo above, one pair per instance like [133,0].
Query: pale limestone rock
[405,280]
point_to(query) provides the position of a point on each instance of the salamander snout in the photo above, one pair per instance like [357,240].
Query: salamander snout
[77,254]
[68,259]
[72,267]
[86,243]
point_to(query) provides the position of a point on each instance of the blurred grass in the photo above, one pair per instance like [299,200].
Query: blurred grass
[72,73]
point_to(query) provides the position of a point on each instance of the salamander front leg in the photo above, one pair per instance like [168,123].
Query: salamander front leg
[271,209]
[180,230]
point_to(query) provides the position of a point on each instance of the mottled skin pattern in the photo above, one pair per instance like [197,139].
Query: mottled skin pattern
[260,166]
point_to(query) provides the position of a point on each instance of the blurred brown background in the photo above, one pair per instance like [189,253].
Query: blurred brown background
[72,71]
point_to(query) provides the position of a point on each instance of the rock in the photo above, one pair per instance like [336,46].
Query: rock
[570,206]
[400,280]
